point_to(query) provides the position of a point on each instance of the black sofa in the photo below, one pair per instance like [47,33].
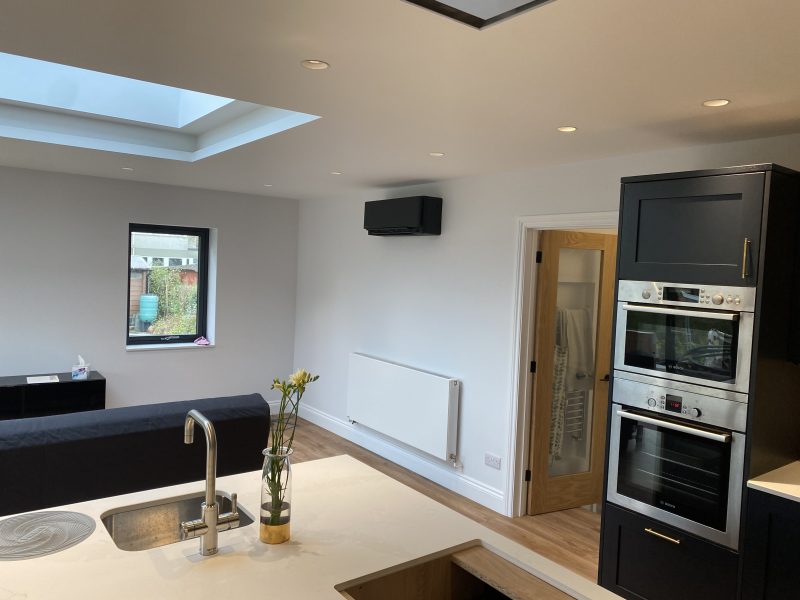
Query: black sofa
[61,459]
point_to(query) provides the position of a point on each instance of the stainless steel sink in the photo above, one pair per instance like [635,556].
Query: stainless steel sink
[158,523]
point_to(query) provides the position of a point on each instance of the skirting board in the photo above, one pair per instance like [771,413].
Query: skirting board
[442,474]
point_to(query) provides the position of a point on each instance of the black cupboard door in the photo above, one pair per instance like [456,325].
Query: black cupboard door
[772,534]
[702,230]
[643,559]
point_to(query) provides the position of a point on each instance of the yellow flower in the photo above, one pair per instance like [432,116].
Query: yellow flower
[300,377]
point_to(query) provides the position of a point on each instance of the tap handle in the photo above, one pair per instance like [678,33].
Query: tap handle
[234,503]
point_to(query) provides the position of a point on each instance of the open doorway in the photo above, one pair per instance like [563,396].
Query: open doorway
[558,479]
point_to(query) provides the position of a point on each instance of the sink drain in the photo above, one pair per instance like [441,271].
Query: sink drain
[39,534]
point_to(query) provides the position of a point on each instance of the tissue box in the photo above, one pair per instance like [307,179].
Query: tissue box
[80,372]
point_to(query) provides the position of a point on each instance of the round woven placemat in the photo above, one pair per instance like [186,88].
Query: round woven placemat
[41,533]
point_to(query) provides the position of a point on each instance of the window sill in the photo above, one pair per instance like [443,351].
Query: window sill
[183,346]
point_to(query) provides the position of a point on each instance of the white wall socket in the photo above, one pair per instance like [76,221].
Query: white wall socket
[492,460]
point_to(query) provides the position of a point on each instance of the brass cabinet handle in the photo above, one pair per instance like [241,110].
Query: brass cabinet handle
[662,536]
[745,249]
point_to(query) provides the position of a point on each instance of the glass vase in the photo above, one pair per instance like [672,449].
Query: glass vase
[276,497]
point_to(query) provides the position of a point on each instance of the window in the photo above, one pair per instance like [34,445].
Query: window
[167,284]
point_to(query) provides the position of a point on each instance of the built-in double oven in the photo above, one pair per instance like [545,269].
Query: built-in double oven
[679,412]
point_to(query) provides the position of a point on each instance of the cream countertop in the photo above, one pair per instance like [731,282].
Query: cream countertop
[783,482]
[348,520]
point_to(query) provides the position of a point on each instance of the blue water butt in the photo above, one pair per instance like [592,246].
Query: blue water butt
[148,307]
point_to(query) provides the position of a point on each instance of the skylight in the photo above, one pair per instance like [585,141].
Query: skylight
[479,13]
[47,102]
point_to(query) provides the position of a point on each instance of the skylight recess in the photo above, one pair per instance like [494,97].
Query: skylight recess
[52,103]
[479,13]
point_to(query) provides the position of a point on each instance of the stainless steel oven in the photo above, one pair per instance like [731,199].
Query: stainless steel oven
[676,454]
[684,332]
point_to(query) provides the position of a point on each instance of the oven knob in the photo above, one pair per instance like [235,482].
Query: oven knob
[651,402]
[646,294]
[695,412]
[718,299]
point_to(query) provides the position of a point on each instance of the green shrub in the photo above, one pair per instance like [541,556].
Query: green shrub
[177,302]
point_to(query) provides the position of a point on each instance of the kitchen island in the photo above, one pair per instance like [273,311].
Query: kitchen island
[348,520]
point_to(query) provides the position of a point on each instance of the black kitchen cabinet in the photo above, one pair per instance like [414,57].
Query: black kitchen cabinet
[20,399]
[642,559]
[772,534]
[698,227]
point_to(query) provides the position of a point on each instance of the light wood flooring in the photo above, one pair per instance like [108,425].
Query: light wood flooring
[570,538]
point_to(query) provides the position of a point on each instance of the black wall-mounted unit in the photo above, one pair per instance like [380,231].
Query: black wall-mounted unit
[417,215]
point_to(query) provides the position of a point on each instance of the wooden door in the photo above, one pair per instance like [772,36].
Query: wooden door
[572,352]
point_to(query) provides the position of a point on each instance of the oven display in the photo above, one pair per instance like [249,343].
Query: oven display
[676,294]
[674,403]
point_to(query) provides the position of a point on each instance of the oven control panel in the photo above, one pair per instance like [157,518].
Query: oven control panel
[673,403]
[710,297]
[682,404]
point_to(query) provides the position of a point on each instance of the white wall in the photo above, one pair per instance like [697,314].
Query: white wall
[63,284]
[446,304]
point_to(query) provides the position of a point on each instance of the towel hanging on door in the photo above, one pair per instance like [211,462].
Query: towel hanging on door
[579,341]
[573,367]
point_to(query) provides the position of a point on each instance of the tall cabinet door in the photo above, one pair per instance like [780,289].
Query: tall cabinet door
[703,230]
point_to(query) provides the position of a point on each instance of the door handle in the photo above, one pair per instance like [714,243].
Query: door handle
[662,536]
[745,252]
[722,438]
[682,312]
[606,378]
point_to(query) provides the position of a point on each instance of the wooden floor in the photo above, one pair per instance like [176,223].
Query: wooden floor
[570,538]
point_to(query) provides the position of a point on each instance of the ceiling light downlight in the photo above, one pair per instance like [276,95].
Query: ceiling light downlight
[436,154]
[127,168]
[336,172]
[567,129]
[716,102]
[315,64]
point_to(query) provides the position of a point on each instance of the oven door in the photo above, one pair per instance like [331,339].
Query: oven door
[682,475]
[702,347]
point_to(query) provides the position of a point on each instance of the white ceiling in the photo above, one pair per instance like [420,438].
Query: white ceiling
[405,81]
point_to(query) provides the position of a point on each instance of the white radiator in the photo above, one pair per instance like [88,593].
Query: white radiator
[414,407]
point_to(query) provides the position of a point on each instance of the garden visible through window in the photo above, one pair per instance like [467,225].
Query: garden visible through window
[166,284]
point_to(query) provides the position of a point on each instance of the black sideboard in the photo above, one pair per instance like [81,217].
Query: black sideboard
[20,399]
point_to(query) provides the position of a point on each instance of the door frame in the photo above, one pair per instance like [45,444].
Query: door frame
[527,241]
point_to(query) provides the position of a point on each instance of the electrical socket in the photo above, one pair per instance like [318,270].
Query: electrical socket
[492,460]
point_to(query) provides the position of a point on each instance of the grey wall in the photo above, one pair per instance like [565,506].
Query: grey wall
[446,304]
[63,284]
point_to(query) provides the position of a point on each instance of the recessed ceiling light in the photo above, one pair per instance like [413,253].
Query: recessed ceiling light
[315,65]
[267,185]
[127,168]
[716,102]
[336,173]
[436,154]
[567,129]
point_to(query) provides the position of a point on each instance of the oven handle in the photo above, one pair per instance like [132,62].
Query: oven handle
[722,316]
[710,435]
